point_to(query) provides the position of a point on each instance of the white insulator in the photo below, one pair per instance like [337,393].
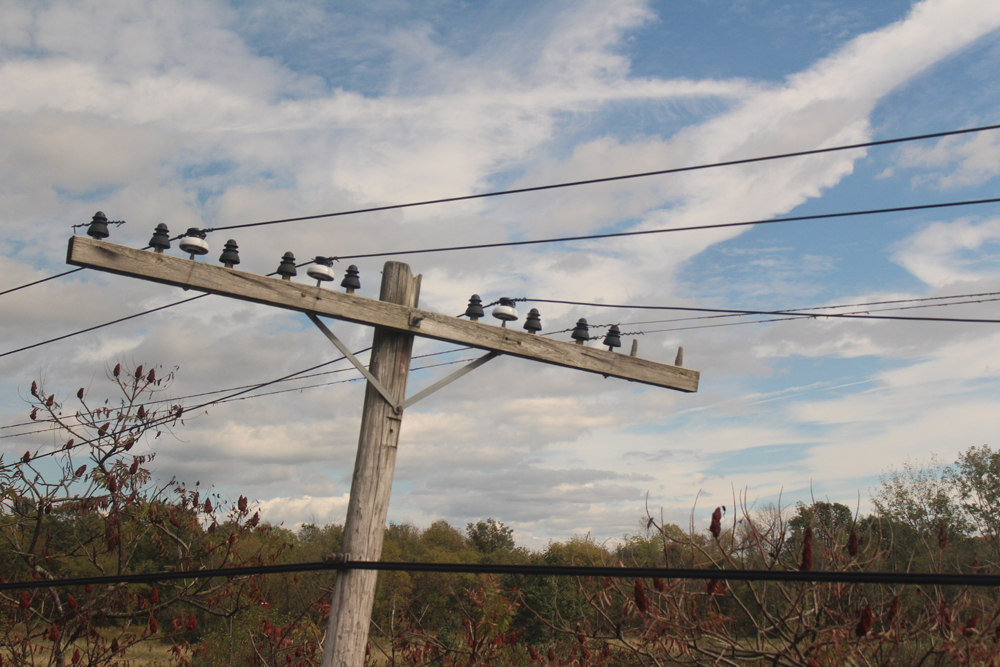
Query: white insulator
[194,245]
[320,272]
[505,313]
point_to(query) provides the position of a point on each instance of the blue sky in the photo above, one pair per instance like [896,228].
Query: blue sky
[211,113]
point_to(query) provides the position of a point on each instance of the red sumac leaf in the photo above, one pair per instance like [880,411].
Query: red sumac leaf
[114,645]
[48,508]
[89,588]
[192,623]
[175,522]
[153,626]
[71,601]
[26,458]
[50,401]
[852,544]
[112,485]
[242,504]
[53,633]
[79,471]
[641,603]
[865,621]
[79,394]
[34,414]
[25,600]
[76,656]
[132,469]
[138,372]
[118,370]
[69,444]
[152,375]
[154,595]
[208,505]
[34,389]
[716,526]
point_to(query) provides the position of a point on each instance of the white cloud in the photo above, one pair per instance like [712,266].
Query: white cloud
[950,252]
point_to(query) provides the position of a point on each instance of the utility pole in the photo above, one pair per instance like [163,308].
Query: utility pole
[397,320]
[364,528]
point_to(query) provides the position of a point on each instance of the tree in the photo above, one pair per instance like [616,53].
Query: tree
[975,478]
[490,535]
[922,498]
[91,507]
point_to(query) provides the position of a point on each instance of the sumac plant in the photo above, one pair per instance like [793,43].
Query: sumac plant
[664,621]
[87,505]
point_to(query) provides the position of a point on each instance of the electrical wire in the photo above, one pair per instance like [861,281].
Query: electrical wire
[906,578]
[176,399]
[173,417]
[668,230]
[553,186]
[106,324]
[238,396]
[768,312]
[38,282]
[252,387]
[608,179]
[101,326]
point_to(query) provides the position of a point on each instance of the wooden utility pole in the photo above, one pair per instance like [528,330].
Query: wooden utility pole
[364,528]
[397,320]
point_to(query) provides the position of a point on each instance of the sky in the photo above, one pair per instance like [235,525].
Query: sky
[203,114]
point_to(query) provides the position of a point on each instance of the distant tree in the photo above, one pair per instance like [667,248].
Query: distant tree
[923,498]
[490,535]
[975,478]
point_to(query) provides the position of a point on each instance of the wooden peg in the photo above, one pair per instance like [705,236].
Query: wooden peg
[679,361]
[635,348]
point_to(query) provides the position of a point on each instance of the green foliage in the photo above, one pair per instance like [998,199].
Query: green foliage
[490,536]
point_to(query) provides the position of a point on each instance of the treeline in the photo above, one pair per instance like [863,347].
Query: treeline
[97,510]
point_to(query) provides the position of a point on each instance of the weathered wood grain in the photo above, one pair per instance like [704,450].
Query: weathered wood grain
[364,528]
[205,277]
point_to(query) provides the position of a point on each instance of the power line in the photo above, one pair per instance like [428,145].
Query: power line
[766,312]
[106,324]
[101,326]
[297,376]
[908,578]
[553,186]
[238,397]
[721,225]
[38,282]
[608,179]
[175,416]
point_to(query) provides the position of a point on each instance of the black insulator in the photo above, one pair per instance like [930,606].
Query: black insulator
[98,228]
[581,333]
[161,238]
[533,323]
[351,281]
[230,254]
[475,309]
[613,338]
[287,267]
